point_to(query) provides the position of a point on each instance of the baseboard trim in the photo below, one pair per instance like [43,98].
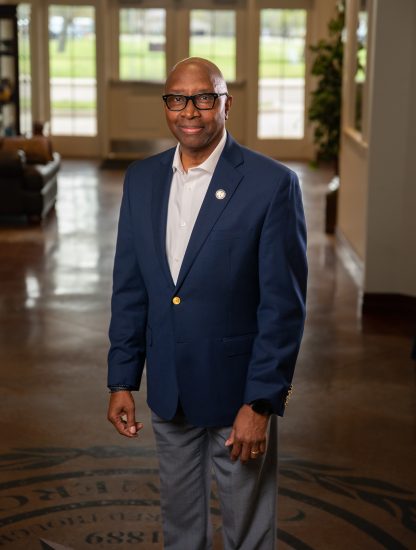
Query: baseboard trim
[375,303]
[349,258]
[390,313]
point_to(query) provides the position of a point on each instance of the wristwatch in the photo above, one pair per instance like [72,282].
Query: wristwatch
[114,389]
[262,406]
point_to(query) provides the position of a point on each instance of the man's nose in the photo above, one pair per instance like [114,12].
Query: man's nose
[190,110]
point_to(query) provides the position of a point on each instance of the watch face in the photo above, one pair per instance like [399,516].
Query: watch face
[261,407]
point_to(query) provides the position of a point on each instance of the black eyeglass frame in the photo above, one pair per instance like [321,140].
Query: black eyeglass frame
[192,98]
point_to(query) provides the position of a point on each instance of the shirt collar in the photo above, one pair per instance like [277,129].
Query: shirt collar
[208,165]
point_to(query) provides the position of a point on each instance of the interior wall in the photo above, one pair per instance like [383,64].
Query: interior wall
[408,229]
[391,228]
[377,196]
[352,201]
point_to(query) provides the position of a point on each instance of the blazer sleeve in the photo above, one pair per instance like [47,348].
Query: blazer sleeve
[129,305]
[281,311]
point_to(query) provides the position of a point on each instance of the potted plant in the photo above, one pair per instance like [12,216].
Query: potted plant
[325,108]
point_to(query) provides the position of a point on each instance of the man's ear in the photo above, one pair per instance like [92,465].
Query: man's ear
[228,104]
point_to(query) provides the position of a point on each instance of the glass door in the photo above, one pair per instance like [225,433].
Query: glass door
[25,73]
[213,36]
[142,44]
[72,70]
[281,91]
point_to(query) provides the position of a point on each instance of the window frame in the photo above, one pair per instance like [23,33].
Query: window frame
[215,9]
[141,6]
[361,137]
[288,147]
[305,118]
[73,3]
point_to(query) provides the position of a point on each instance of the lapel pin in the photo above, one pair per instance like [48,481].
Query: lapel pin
[220,194]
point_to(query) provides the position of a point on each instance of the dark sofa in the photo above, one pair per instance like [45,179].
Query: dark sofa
[27,189]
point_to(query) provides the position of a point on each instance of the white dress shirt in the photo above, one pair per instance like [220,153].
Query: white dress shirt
[187,192]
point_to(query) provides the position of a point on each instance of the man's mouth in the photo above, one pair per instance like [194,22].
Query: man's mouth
[191,129]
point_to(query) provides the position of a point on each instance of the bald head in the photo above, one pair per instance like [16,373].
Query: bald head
[199,90]
[197,65]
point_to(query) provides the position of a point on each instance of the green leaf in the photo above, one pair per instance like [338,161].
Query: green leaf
[325,105]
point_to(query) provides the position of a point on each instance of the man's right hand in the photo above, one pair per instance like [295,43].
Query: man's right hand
[121,413]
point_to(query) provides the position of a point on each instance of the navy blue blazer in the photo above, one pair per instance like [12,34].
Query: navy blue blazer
[229,331]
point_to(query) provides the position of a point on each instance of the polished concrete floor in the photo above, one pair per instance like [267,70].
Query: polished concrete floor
[67,480]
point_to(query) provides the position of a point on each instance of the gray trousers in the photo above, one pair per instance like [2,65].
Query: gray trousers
[247,492]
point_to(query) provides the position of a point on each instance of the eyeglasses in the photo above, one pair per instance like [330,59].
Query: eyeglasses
[203,102]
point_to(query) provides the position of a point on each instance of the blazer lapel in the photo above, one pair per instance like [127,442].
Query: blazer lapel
[160,198]
[225,178]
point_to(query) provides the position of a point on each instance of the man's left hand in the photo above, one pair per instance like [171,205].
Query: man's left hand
[248,437]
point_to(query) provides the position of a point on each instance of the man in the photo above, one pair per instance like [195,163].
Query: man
[209,288]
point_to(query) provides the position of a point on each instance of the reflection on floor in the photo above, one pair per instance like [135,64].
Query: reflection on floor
[67,480]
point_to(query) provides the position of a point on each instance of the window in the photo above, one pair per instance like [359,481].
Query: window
[281,74]
[360,75]
[142,42]
[212,36]
[72,68]
[25,78]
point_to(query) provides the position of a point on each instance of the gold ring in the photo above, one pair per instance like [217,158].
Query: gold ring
[254,453]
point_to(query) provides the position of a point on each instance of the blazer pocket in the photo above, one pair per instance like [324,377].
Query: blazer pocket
[238,345]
